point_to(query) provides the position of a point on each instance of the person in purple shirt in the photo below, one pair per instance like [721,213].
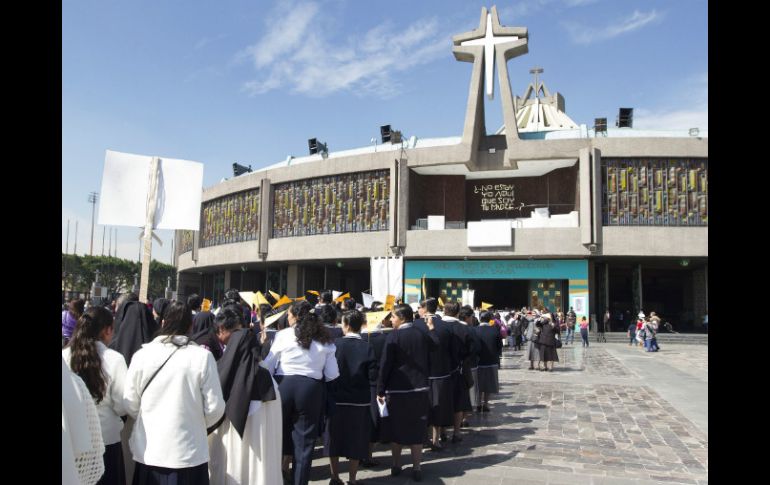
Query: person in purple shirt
[69,318]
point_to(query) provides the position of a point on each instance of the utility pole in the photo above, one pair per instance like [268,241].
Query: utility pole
[104,231]
[109,245]
[92,197]
[67,244]
[115,253]
[75,250]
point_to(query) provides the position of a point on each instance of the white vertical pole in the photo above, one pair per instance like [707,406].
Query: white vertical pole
[152,200]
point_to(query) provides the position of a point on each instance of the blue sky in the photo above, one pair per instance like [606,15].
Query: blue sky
[251,81]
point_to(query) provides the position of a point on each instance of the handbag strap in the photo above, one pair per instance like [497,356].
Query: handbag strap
[156,372]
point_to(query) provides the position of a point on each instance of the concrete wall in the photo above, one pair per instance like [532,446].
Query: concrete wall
[542,243]
[654,241]
[539,243]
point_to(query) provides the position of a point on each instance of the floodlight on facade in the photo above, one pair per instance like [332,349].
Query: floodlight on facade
[626,118]
[600,125]
[314,146]
[240,169]
[385,133]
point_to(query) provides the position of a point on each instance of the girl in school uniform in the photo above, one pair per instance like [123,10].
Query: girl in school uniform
[350,426]
[489,359]
[301,358]
[403,380]
[173,392]
[104,372]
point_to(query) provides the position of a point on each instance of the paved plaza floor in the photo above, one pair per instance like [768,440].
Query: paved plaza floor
[608,414]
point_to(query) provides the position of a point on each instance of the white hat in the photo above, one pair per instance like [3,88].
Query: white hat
[641,315]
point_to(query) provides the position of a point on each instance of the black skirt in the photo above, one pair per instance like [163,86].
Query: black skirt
[441,402]
[114,469]
[488,381]
[462,395]
[349,432]
[156,475]
[407,421]
[548,353]
[375,419]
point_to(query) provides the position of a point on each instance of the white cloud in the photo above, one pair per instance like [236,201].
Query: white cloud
[305,60]
[530,7]
[583,34]
[689,108]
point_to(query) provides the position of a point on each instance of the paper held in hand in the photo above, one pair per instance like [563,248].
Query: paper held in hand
[383,408]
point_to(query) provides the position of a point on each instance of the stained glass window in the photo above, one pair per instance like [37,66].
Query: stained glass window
[357,202]
[655,192]
[230,219]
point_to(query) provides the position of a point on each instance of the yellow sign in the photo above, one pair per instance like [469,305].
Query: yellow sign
[206,305]
[260,299]
[342,298]
[282,301]
[373,318]
[486,306]
[273,318]
[390,301]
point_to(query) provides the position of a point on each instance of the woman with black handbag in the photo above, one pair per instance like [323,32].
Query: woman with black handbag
[173,391]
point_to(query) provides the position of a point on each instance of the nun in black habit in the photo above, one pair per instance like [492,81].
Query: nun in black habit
[245,448]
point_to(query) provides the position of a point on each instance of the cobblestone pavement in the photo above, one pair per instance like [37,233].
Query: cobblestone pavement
[609,414]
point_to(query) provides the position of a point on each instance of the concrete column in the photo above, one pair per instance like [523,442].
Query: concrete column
[636,289]
[293,280]
[196,243]
[228,275]
[584,175]
[596,189]
[403,203]
[393,213]
[606,277]
[700,296]
[265,215]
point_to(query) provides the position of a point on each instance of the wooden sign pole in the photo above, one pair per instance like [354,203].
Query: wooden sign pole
[152,201]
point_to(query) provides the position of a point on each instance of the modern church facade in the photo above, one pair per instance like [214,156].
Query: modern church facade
[543,212]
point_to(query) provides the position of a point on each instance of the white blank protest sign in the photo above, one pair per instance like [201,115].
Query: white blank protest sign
[123,198]
[486,234]
[182,182]
[125,183]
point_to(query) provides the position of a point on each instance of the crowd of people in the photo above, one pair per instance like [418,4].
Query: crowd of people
[644,331]
[190,395]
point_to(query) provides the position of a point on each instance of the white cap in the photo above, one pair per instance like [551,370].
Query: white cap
[641,315]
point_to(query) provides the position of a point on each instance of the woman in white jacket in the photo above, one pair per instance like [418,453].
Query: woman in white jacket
[173,391]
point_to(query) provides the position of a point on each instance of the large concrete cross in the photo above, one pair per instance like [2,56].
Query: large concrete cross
[489,40]
[486,46]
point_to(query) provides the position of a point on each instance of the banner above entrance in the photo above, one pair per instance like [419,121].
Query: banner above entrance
[575,271]
[492,269]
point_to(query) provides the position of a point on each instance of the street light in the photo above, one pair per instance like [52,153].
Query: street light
[92,198]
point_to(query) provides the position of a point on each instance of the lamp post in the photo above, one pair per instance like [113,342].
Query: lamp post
[92,198]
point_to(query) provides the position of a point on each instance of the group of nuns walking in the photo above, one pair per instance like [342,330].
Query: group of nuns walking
[208,399]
